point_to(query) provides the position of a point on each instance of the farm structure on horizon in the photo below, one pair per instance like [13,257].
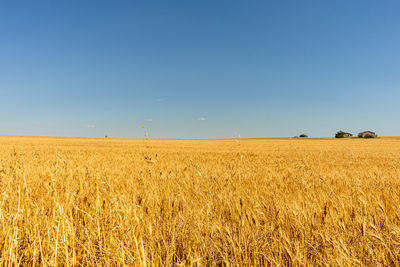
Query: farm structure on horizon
[367,134]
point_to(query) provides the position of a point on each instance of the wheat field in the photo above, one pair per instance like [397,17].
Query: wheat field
[116,202]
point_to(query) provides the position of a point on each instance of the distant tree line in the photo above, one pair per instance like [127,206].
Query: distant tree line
[342,134]
[365,134]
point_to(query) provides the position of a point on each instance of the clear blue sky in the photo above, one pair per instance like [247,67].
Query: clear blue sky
[199,69]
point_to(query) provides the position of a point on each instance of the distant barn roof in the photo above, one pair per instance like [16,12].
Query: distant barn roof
[365,132]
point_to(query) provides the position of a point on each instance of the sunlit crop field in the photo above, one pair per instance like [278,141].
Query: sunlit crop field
[77,201]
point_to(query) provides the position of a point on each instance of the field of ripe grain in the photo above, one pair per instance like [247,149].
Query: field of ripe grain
[77,201]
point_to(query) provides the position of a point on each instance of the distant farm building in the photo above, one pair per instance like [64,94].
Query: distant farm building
[367,134]
[342,134]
